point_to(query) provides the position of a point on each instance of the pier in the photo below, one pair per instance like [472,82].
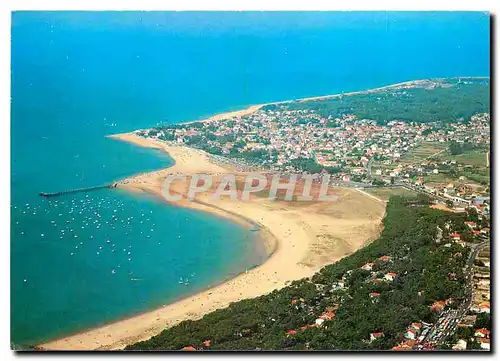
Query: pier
[78,190]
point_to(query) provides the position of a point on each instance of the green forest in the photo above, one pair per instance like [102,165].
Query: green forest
[278,320]
[454,100]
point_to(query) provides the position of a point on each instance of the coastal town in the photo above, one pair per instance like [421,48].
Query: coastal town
[445,162]
[251,181]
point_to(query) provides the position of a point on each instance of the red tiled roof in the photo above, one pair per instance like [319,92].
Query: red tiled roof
[409,343]
[398,348]
[207,343]
[401,348]
[483,331]
[327,315]
[438,305]
[482,340]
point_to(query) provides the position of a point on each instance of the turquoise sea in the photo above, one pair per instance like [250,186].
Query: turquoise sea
[78,261]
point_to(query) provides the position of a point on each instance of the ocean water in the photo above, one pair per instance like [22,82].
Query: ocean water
[77,77]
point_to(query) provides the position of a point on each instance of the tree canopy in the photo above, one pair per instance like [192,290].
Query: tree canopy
[422,269]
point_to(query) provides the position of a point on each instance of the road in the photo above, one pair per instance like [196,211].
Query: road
[369,167]
[470,269]
[371,196]
[447,323]
[433,155]
[420,190]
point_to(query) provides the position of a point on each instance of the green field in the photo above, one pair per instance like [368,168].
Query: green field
[385,192]
[474,157]
[478,177]
[424,151]
[480,173]
[439,178]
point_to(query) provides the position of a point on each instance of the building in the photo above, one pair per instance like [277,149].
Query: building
[390,276]
[405,346]
[367,267]
[376,335]
[328,315]
[471,225]
[319,321]
[484,307]
[207,343]
[481,332]
[438,306]
[411,334]
[460,345]
[417,325]
[484,343]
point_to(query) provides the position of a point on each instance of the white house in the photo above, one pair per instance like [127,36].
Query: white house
[319,321]
[390,276]
[481,332]
[411,334]
[484,343]
[367,267]
[460,345]
[376,335]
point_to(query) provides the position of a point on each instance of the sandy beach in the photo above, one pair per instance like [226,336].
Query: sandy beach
[301,237]
[253,108]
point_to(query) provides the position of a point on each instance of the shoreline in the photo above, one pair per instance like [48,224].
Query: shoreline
[80,336]
[270,244]
[290,257]
[253,108]
[290,234]
[89,339]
